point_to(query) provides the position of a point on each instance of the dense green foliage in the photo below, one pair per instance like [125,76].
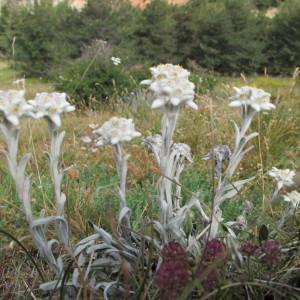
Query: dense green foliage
[224,36]
[94,82]
[284,39]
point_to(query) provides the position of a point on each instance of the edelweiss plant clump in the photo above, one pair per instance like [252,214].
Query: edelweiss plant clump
[14,106]
[165,259]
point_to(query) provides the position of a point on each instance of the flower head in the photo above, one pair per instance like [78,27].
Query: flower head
[51,106]
[173,273]
[215,250]
[115,131]
[252,97]
[294,198]
[13,106]
[173,250]
[248,248]
[272,252]
[283,177]
[170,87]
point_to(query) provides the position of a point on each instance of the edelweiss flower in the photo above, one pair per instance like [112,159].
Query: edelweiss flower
[115,131]
[51,105]
[257,99]
[170,87]
[13,106]
[283,177]
[293,197]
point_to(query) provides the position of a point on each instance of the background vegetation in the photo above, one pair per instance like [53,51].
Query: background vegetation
[227,37]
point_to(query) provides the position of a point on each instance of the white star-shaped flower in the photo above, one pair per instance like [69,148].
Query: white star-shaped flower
[13,106]
[252,97]
[116,130]
[170,87]
[283,177]
[51,106]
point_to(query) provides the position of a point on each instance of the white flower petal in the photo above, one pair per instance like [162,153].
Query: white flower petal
[13,119]
[55,118]
[192,105]
[157,103]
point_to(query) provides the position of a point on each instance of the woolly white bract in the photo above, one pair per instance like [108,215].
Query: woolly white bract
[13,106]
[293,198]
[51,106]
[252,97]
[116,130]
[171,87]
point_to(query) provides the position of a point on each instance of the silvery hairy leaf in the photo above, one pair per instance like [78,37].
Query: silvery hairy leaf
[104,234]
[75,276]
[161,230]
[83,246]
[125,211]
[107,286]
[12,167]
[154,144]
[233,188]
[49,286]
[20,174]
[233,245]
[234,161]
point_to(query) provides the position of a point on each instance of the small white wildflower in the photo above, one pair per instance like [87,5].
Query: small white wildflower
[20,82]
[255,98]
[293,197]
[283,177]
[115,131]
[170,87]
[13,106]
[50,106]
[86,139]
[116,60]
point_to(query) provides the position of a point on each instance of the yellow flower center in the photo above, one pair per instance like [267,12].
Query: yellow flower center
[15,109]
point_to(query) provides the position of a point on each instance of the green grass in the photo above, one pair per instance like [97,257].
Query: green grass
[33,85]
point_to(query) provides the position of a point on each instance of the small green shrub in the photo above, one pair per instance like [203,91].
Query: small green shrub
[91,83]
[205,82]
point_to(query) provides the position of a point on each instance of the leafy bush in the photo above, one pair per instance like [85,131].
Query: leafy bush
[91,83]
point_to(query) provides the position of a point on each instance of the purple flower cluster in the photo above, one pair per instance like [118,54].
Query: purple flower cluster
[248,248]
[272,252]
[213,261]
[215,251]
[269,251]
[174,272]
